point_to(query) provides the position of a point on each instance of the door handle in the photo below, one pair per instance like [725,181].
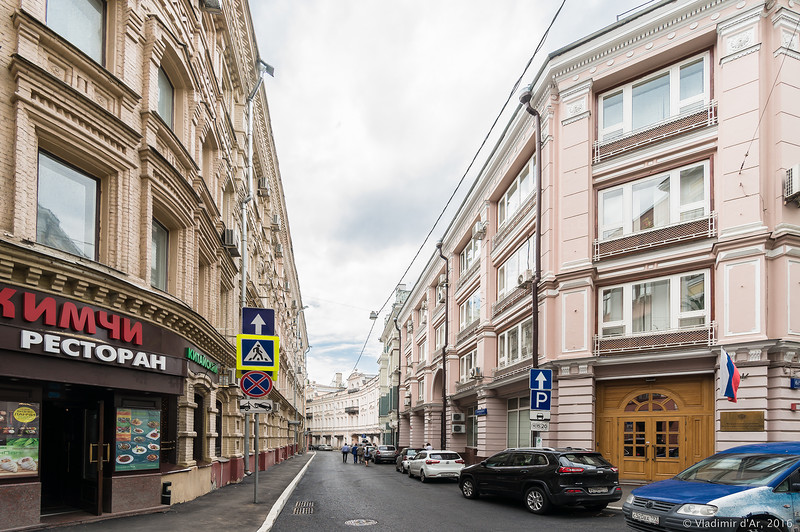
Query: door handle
[92,447]
[107,449]
[524,471]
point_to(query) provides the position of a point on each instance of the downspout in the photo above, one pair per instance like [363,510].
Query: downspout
[399,358]
[444,347]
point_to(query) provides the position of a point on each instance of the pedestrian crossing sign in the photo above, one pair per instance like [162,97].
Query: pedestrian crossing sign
[257,352]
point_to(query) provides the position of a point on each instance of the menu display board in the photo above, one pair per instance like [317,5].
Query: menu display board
[19,439]
[138,444]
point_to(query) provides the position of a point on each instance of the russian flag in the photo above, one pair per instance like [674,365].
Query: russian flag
[729,376]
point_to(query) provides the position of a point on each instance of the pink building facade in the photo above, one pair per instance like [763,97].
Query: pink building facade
[668,234]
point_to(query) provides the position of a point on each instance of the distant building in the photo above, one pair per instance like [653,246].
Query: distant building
[389,362]
[347,414]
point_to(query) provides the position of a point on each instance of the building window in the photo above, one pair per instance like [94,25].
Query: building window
[679,89]
[80,22]
[515,195]
[469,255]
[508,274]
[515,344]
[470,309]
[423,313]
[472,427]
[199,427]
[519,422]
[166,98]
[218,440]
[645,307]
[680,195]
[66,216]
[422,351]
[420,390]
[158,256]
[408,365]
[440,337]
[467,364]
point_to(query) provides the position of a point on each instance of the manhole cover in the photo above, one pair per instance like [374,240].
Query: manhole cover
[303,508]
[361,522]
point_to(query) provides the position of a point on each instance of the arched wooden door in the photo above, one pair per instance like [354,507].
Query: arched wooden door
[654,429]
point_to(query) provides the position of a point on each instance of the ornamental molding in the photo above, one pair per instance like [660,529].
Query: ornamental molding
[740,41]
[746,19]
[576,118]
[745,52]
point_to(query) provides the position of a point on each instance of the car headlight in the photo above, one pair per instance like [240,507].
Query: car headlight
[700,510]
[630,498]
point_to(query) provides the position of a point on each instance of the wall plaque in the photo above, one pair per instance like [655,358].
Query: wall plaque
[741,421]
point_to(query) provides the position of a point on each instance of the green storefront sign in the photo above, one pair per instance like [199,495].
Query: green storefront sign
[201,359]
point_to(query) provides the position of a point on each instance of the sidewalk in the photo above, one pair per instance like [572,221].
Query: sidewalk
[228,508]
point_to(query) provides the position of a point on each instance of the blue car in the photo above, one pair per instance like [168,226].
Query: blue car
[747,488]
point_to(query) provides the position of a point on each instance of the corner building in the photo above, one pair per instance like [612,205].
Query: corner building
[668,234]
[125,192]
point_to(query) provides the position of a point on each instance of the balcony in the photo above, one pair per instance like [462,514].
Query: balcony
[696,119]
[468,331]
[351,410]
[511,299]
[523,366]
[705,227]
[467,275]
[696,336]
[511,224]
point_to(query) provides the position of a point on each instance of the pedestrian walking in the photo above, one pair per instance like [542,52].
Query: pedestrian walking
[345,452]
[361,454]
[428,446]
[354,450]
[367,456]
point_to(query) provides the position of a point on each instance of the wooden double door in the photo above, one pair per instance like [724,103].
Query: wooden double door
[654,429]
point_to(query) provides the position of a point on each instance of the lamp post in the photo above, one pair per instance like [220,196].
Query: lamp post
[444,347]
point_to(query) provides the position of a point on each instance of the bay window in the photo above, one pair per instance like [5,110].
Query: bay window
[466,363]
[515,344]
[516,194]
[508,274]
[676,90]
[470,309]
[655,305]
[469,255]
[679,195]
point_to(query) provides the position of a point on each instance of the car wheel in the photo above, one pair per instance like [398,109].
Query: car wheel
[410,475]
[422,477]
[536,500]
[596,507]
[468,489]
[759,525]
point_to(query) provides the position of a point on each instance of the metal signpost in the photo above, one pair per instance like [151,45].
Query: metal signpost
[541,385]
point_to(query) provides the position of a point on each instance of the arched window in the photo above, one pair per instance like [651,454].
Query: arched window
[651,402]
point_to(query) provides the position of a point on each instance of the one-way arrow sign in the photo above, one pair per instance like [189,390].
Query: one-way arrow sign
[258,321]
[541,379]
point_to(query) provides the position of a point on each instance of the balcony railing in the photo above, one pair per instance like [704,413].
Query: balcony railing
[467,275]
[468,331]
[678,125]
[510,299]
[668,339]
[510,224]
[705,227]
[513,369]
[351,410]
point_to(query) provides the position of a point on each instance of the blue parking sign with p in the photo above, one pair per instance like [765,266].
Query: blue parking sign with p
[540,399]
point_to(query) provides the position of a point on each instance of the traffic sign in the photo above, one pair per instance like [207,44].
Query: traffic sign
[258,321]
[256,352]
[255,406]
[541,426]
[540,415]
[255,383]
[540,399]
[541,379]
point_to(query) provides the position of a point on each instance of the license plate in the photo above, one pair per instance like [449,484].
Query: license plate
[645,518]
[597,490]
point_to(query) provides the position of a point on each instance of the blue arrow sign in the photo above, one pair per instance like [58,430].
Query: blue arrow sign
[541,379]
[260,321]
[540,399]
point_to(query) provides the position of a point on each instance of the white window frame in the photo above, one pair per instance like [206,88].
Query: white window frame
[518,409]
[470,310]
[516,194]
[439,334]
[676,314]
[508,273]
[469,255]
[676,210]
[512,340]
[422,351]
[676,105]
[466,363]
[421,390]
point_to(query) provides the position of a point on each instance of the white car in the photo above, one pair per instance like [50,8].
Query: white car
[435,464]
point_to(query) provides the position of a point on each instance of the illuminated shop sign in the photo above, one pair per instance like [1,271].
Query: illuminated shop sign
[201,359]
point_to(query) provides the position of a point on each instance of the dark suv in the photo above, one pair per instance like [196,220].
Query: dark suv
[384,453]
[544,477]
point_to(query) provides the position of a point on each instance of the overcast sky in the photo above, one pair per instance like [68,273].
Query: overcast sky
[377,109]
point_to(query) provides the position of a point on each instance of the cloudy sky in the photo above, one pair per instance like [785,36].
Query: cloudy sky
[377,109]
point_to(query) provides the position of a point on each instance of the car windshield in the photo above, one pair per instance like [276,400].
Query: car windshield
[411,452]
[739,469]
[592,460]
[445,456]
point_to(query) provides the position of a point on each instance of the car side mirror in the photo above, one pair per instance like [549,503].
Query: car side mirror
[483,463]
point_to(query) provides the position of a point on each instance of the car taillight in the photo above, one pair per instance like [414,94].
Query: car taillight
[459,461]
[574,491]
[429,462]
[565,469]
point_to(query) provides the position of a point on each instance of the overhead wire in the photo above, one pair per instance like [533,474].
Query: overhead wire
[511,94]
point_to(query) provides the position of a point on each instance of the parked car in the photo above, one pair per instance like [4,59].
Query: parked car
[324,447]
[750,487]
[435,464]
[405,456]
[384,453]
[544,477]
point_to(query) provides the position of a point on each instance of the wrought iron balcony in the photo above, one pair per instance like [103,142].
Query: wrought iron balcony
[667,339]
[351,410]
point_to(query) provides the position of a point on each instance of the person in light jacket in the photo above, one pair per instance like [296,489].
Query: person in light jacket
[345,452]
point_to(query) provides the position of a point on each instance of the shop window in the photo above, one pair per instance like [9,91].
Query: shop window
[680,195]
[159,253]
[81,22]
[67,202]
[519,422]
[671,92]
[166,98]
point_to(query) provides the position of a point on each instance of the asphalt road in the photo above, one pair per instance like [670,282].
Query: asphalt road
[333,496]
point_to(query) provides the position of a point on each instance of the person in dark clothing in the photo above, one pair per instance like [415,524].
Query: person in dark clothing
[354,450]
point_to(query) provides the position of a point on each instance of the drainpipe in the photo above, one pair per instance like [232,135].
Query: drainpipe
[444,348]
[525,99]
[399,358]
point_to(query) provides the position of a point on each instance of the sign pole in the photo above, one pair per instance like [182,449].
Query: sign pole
[246,444]
[255,484]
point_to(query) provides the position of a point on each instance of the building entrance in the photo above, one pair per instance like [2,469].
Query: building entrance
[654,429]
[73,452]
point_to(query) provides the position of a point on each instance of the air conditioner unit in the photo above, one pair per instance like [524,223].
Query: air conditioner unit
[479,230]
[230,241]
[442,279]
[791,186]
[263,186]
[407,401]
[441,297]
[525,278]
[459,429]
[474,373]
[228,378]
[457,418]
[276,222]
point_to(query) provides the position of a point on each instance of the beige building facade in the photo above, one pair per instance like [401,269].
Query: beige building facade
[126,192]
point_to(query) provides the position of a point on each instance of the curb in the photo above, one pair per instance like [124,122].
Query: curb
[266,526]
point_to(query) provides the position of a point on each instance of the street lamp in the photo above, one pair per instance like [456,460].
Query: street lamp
[444,347]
